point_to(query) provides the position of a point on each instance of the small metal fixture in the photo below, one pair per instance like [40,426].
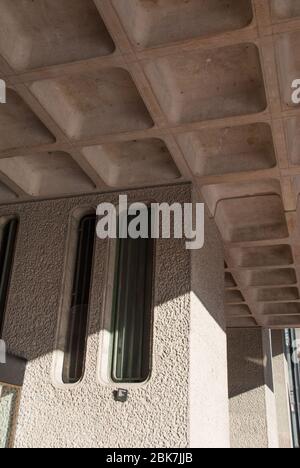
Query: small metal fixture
[121,395]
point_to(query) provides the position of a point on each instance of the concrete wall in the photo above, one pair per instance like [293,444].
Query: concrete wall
[157,414]
[253,421]
[209,409]
[281,387]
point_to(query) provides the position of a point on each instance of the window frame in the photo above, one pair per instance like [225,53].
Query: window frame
[4,221]
[104,361]
[66,299]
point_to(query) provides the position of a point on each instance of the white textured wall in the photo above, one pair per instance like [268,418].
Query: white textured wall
[209,411]
[157,414]
[281,387]
[253,422]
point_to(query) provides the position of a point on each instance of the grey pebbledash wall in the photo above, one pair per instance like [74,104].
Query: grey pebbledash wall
[209,408]
[157,414]
[253,419]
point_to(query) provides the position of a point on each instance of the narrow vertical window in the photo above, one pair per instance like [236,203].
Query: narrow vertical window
[132,310]
[76,327]
[7,247]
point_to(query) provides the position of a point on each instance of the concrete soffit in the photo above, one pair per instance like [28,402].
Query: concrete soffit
[113,94]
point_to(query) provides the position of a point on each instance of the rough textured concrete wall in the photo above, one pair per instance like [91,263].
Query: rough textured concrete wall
[281,382]
[271,410]
[209,410]
[252,404]
[186,400]
[87,416]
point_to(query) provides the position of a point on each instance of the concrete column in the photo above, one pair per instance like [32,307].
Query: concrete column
[253,421]
[209,409]
[280,373]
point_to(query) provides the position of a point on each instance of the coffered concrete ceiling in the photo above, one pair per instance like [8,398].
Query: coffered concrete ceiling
[106,94]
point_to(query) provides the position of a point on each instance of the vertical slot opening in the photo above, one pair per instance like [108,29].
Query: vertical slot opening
[8,233]
[70,354]
[132,309]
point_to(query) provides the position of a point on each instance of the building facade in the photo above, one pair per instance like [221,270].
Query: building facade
[209,386]
[148,343]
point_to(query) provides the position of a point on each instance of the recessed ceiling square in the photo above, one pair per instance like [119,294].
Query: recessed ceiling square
[209,84]
[278,277]
[86,106]
[229,150]
[267,256]
[152,23]
[133,162]
[293,139]
[288,308]
[51,32]
[19,126]
[214,193]
[285,9]
[46,174]
[252,219]
[277,294]
[288,63]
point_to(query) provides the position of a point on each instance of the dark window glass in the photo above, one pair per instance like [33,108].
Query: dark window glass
[132,310]
[7,248]
[73,367]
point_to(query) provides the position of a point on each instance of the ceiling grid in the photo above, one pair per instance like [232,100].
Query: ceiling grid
[117,94]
